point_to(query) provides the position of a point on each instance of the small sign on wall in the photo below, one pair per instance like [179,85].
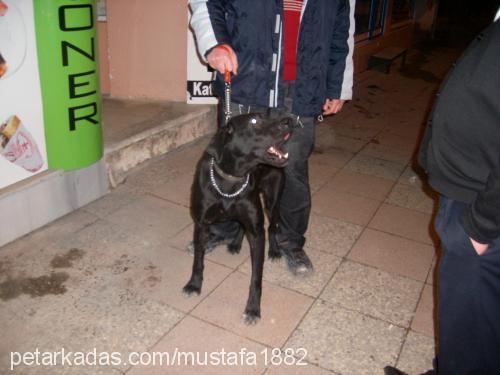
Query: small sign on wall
[199,76]
[101,10]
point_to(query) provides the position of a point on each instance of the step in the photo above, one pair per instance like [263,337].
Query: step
[136,131]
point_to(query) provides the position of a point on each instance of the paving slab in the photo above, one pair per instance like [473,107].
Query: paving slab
[277,272]
[394,254]
[346,341]
[224,308]
[374,293]
[364,185]
[404,222]
[417,354]
[331,235]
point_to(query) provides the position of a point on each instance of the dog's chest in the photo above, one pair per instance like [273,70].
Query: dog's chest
[230,210]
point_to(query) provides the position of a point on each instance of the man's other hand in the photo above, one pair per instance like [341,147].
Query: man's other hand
[479,247]
[223,59]
[332,106]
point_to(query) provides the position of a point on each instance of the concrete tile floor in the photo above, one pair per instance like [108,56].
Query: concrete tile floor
[109,276]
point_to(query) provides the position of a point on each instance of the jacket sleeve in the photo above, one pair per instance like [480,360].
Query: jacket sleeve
[340,68]
[482,220]
[209,24]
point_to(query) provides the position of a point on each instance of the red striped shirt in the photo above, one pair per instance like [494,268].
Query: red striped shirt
[291,23]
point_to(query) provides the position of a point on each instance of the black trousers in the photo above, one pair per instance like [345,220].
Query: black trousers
[295,204]
[468,299]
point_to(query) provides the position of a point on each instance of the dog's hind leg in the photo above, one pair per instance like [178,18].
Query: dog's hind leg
[235,246]
[257,245]
[200,239]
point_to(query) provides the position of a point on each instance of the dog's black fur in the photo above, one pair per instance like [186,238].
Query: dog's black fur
[241,147]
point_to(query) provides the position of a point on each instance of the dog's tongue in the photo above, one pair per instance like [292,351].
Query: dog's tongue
[275,151]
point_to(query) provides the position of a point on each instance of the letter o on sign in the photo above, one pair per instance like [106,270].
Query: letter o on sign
[67,13]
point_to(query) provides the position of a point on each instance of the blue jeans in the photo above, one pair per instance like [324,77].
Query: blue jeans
[468,299]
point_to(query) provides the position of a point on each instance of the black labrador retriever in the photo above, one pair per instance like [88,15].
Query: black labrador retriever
[231,174]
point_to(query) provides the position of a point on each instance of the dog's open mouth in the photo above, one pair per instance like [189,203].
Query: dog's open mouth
[276,151]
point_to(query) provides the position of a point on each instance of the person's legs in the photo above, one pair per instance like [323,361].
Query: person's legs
[295,202]
[468,299]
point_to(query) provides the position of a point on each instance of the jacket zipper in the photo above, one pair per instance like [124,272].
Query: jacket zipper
[273,95]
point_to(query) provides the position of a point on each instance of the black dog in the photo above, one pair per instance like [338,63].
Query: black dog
[229,178]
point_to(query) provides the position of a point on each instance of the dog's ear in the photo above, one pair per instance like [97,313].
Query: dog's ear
[220,139]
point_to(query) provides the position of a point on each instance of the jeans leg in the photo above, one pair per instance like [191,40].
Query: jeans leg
[468,299]
[295,203]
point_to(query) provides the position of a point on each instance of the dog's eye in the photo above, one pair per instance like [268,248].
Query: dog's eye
[253,121]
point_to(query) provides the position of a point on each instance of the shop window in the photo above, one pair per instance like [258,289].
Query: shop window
[401,11]
[362,16]
[369,17]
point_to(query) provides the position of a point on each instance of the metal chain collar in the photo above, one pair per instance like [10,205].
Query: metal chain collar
[214,184]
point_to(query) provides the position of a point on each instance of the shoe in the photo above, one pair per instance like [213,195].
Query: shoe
[212,243]
[389,370]
[298,262]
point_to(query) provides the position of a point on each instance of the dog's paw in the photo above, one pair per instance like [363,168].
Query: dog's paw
[190,290]
[234,248]
[274,255]
[251,318]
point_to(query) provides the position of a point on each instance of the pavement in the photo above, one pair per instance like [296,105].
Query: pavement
[104,282]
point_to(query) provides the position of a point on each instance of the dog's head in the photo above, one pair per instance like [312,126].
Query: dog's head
[255,138]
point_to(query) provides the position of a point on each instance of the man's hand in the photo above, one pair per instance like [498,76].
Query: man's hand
[223,59]
[479,247]
[332,106]
[3,8]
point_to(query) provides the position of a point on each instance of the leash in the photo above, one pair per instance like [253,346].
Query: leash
[227,87]
[227,95]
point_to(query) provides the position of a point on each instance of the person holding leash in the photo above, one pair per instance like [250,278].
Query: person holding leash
[292,55]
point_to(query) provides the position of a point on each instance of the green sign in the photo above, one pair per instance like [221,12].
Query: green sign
[69,76]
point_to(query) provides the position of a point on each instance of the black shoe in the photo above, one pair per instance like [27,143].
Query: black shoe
[389,370]
[212,243]
[298,262]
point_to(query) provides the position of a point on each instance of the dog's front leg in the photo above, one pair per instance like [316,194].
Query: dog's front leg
[199,239]
[256,239]
[271,185]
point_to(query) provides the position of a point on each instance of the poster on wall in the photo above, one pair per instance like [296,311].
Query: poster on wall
[22,141]
[199,76]
[50,104]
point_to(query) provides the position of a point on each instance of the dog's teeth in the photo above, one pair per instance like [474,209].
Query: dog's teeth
[286,155]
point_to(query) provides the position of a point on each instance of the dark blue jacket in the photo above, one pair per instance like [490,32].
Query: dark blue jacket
[253,28]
